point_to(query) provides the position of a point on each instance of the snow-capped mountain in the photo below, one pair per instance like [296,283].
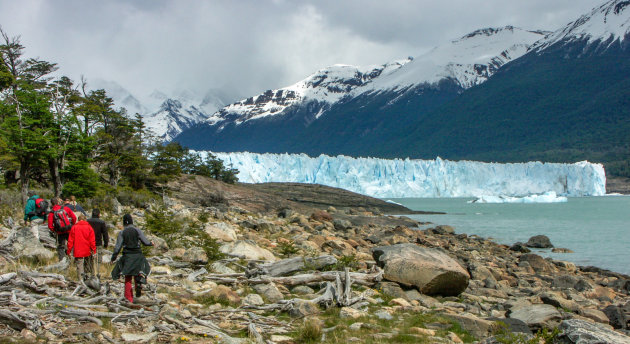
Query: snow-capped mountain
[172,118]
[602,28]
[165,115]
[324,87]
[467,61]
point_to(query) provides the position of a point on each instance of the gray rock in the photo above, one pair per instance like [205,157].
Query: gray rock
[341,225]
[443,229]
[139,337]
[617,317]
[269,291]
[303,308]
[539,241]
[564,281]
[514,325]
[26,245]
[538,263]
[285,213]
[557,300]
[253,300]
[382,314]
[519,247]
[391,289]
[576,331]
[248,249]
[536,316]
[478,327]
[430,270]
[196,255]
[302,290]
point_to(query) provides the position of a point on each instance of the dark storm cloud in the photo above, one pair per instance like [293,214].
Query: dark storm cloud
[252,45]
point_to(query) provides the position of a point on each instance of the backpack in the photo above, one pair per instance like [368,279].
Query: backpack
[61,223]
[41,207]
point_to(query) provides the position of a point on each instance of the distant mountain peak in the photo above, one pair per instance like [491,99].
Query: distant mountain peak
[604,25]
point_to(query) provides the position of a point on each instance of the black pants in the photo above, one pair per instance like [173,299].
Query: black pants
[62,245]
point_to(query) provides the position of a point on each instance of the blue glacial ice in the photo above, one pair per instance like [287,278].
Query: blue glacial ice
[421,178]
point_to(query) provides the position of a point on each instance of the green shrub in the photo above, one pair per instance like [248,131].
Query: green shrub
[163,224]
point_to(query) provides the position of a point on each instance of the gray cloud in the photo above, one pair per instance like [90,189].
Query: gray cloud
[251,45]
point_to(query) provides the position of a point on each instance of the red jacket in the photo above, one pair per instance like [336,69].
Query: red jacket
[82,240]
[73,218]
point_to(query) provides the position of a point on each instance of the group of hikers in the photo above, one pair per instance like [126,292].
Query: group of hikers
[84,239]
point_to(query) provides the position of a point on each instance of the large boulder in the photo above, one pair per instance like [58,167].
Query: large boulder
[536,316]
[539,241]
[221,231]
[430,270]
[26,245]
[247,249]
[586,332]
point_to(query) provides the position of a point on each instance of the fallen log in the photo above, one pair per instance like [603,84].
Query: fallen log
[7,277]
[367,279]
[288,266]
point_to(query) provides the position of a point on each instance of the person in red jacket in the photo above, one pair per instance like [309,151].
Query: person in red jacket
[82,244]
[60,220]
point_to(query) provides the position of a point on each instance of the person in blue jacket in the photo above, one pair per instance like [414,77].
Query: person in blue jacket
[31,214]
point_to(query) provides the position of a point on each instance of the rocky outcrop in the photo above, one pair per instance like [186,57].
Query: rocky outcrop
[429,270]
[576,331]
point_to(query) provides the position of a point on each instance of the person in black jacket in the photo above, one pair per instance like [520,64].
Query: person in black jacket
[100,232]
[132,263]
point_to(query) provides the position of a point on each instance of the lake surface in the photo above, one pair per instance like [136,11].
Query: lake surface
[597,229]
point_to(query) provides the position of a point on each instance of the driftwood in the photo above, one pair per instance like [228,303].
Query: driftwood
[367,279]
[286,267]
[7,277]
[192,277]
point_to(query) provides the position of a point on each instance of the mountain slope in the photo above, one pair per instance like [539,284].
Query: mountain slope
[568,99]
[328,111]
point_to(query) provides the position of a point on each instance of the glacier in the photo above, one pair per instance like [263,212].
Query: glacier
[401,178]
[547,197]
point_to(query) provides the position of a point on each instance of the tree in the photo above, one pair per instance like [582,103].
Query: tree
[25,110]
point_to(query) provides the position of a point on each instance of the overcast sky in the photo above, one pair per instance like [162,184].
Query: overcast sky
[248,46]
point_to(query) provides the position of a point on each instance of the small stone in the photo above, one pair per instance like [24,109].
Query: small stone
[223,293]
[356,326]
[139,337]
[303,308]
[276,338]
[302,290]
[561,250]
[269,291]
[454,338]
[253,300]
[422,331]
[28,334]
[347,312]
[384,315]
[400,302]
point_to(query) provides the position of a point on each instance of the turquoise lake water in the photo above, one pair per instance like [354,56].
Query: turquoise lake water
[597,229]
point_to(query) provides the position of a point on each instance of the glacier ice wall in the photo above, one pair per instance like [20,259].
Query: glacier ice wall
[421,178]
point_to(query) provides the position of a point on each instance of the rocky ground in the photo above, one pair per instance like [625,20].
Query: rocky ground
[297,271]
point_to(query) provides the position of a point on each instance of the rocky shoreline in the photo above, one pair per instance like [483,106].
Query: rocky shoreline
[308,266]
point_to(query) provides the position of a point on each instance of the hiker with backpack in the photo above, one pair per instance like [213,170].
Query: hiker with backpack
[132,264]
[35,212]
[82,245]
[60,221]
